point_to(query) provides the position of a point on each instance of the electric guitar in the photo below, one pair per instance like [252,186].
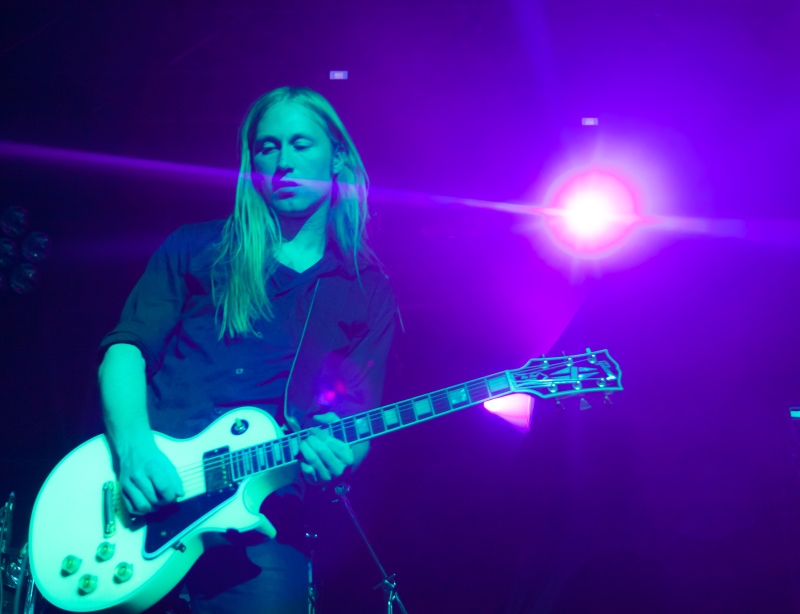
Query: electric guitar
[88,554]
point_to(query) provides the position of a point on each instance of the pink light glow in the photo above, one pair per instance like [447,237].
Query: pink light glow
[514,408]
[591,212]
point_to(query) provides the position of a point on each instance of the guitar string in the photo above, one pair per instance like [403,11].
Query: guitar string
[198,470]
[250,465]
[250,461]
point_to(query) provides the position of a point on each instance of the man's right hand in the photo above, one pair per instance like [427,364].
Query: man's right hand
[148,477]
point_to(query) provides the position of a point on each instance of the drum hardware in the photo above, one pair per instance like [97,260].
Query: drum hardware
[15,573]
[389,582]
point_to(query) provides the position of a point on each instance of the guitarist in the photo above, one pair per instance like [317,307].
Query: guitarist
[282,306]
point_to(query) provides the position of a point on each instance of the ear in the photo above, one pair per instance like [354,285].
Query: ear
[339,160]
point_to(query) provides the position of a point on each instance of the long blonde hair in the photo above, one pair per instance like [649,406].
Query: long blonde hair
[251,235]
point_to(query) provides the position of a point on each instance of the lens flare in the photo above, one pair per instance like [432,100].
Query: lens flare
[591,213]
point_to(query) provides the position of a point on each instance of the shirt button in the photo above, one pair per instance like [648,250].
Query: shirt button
[217,411]
[239,371]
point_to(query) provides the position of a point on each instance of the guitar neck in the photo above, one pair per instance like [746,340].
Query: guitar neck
[373,423]
[542,377]
[376,422]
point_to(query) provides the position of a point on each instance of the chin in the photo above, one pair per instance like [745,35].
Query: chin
[296,209]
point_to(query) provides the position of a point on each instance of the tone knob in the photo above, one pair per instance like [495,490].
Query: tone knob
[87,584]
[123,572]
[70,564]
[105,551]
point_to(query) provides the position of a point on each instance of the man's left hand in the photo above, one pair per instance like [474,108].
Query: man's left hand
[324,458]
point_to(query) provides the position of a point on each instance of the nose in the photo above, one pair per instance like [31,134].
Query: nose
[285,158]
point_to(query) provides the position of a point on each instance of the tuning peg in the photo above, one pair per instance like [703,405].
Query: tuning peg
[592,357]
[559,404]
[584,404]
[546,362]
[607,400]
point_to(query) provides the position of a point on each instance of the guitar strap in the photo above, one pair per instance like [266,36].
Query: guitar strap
[317,342]
[298,398]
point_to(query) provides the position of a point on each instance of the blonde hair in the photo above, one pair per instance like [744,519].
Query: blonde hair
[251,235]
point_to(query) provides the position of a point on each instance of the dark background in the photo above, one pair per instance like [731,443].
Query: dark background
[679,497]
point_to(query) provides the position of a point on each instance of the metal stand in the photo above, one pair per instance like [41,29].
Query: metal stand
[389,584]
[312,587]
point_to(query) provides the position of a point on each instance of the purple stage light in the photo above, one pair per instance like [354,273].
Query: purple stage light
[514,408]
[591,212]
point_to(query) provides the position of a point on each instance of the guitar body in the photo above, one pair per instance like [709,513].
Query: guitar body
[131,564]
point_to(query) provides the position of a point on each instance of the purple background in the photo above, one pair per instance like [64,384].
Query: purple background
[680,497]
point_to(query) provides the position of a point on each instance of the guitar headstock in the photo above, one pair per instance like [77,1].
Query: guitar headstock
[593,371]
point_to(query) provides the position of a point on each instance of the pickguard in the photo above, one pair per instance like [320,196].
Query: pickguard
[170,521]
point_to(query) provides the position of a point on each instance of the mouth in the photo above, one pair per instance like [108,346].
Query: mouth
[284,185]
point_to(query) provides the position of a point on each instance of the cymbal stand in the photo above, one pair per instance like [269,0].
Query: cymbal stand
[389,583]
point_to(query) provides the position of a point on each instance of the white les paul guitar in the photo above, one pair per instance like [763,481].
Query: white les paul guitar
[88,554]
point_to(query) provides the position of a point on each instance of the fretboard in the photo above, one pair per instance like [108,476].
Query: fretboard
[369,424]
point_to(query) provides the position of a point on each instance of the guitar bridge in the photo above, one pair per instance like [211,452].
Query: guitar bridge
[109,517]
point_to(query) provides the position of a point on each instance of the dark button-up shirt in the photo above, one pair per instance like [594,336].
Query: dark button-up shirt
[346,322]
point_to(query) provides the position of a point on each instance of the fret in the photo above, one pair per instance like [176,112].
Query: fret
[240,464]
[337,430]
[232,462]
[458,397]
[440,403]
[498,384]
[237,465]
[478,391]
[376,421]
[350,430]
[423,407]
[406,413]
[390,417]
[248,462]
[362,426]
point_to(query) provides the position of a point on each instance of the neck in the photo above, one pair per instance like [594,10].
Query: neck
[304,239]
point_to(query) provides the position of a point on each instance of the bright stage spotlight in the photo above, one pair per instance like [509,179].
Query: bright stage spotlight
[514,408]
[591,213]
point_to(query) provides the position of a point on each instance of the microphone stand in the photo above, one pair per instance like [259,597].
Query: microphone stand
[389,583]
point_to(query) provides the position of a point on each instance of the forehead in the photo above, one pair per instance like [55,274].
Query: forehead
[286,119]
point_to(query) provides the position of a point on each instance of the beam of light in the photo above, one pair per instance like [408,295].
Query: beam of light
[39,153]
[514,409]
[781,232]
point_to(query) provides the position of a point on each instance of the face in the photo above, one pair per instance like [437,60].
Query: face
[293,160]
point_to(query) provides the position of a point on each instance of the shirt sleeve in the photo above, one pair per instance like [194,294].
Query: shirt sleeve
[154,307]
[353,383]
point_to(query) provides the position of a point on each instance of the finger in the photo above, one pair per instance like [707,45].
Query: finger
[309,474]
[164,487]
[336,450]
[342,451]
[145,485]
[332,462]
[310,455]
[135,501]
